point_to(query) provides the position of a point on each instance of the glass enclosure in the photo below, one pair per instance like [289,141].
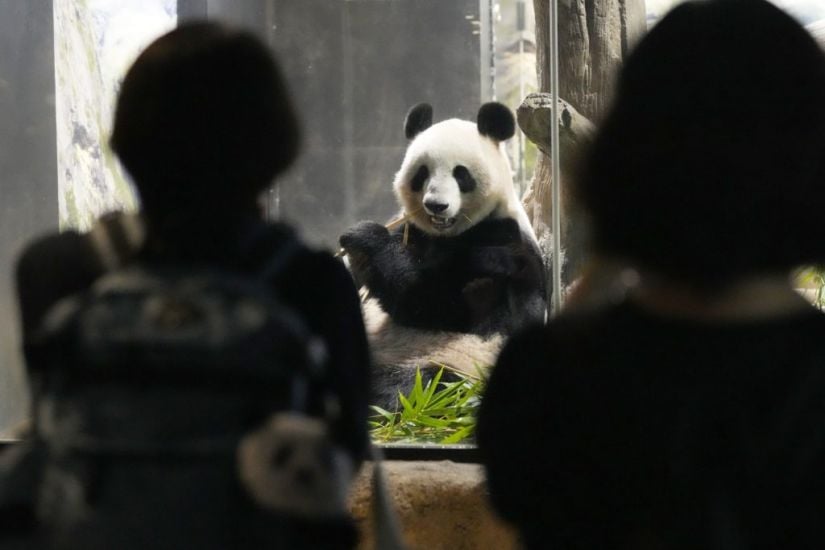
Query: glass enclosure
[355,67]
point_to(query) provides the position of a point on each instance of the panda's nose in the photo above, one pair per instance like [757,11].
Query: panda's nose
[435,207]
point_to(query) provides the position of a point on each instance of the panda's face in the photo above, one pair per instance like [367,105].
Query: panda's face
[451,178]
[439,192]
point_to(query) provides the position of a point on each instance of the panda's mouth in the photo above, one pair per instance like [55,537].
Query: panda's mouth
[441,223]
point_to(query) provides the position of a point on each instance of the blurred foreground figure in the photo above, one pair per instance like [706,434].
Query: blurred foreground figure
[689,412]
[205,384]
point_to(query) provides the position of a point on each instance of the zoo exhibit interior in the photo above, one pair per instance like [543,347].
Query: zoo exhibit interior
[355,68]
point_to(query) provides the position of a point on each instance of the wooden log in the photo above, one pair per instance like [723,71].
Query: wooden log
[594,36]
[534,116]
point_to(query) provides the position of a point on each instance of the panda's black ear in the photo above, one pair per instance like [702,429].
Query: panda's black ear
[496,121]
[419,118]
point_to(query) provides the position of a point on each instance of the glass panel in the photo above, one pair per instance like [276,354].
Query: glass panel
[367,64]
[355,67]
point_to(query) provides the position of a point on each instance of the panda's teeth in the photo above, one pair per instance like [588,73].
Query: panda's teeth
[442,223]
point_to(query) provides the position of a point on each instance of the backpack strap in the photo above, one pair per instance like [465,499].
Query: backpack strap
[279,260]
[276,258]
[116,237]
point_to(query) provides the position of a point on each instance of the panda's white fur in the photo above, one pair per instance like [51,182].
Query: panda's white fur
[443,146]
[404,347]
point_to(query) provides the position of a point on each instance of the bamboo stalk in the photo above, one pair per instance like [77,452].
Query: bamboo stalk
[395,223]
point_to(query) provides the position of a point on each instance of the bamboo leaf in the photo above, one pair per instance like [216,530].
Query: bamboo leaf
[458,436]
[409,410]
[432,385]
[435,412]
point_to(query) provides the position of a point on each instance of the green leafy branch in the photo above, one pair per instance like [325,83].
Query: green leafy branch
[438,412]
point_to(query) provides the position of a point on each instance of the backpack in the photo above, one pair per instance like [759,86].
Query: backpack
[188,397]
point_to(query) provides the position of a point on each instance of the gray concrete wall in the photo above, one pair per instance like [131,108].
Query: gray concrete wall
[28,169]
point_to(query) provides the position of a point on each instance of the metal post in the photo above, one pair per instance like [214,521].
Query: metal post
[486,54]
[555,184]
[348,91]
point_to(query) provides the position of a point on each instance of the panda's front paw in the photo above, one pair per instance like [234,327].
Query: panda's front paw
[365,237]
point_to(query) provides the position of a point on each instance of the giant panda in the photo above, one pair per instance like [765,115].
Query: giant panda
[464,270]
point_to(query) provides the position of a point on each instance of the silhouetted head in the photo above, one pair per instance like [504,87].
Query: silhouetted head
[709,167]
[204,120]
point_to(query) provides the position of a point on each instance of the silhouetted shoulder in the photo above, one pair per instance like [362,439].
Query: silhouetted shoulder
[51,268]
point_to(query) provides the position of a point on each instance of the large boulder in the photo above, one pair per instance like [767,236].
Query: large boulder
[441,505]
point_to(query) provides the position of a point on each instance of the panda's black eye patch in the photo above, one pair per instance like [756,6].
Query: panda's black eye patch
[466,182]
[419,178]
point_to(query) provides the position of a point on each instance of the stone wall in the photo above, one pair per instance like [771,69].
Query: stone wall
[441,505]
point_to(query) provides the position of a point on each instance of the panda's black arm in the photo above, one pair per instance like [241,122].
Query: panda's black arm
[391,274]
[514,274]
[380,261]
[527,289]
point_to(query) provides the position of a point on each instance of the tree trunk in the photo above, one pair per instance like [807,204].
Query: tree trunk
[594,36]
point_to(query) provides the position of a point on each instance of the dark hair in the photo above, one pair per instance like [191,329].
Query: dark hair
[203,118]
[709,166]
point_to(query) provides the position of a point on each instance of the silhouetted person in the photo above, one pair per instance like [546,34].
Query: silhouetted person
[203,124]
[690,411]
